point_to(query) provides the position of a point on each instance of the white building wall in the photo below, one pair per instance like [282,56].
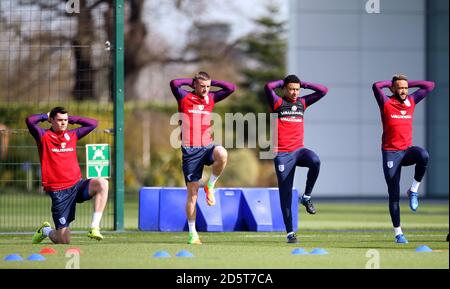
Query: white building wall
[338,44]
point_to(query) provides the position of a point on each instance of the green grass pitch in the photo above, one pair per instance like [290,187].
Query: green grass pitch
[351,233]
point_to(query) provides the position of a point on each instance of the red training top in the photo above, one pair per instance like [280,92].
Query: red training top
[397,115]
[58,151]
[290,114]
[196,111]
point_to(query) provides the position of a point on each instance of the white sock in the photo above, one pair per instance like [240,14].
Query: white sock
[213,179]
[46,231]
[290,234]
[398,231]
[415,186]
[96,218]
[306,197]
[192,229]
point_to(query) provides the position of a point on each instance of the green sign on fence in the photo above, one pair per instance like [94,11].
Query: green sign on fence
[97,161]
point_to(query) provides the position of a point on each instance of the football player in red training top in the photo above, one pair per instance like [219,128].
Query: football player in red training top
[195,108]
[61,174]
[290,148]
[397,113]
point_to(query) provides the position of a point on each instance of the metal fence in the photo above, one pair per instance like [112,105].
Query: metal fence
[52,54]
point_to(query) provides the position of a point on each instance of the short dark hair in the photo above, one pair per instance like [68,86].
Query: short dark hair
[202,76]
[398,77]
[291,79]
[57,110]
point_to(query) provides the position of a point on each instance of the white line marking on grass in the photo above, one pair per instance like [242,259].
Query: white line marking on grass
[421,235]
[309,236]
[263,236]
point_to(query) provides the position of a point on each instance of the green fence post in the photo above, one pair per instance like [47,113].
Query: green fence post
[119,114]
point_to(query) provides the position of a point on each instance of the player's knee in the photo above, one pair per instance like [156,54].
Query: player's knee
[192,189]
[65,241]
[221,154]
[424,156]
[315,160]
[62,237]
[104,185]
[100,185]
[193,196]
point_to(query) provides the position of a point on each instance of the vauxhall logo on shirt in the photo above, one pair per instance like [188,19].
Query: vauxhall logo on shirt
[199,109]
[291,112]
[63,148]
[403,115]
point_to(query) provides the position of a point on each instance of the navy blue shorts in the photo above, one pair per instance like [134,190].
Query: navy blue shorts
[394,160]
[64,203]
[286,163]
[194,159]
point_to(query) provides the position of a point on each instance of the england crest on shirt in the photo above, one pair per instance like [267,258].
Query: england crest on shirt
[407,103]
[66,135]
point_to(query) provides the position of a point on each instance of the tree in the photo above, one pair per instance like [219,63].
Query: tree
[265,54]
[82,31]
[264,60]
[60,30]
[82,45]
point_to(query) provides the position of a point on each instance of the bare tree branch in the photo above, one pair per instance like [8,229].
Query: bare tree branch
[98,3]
